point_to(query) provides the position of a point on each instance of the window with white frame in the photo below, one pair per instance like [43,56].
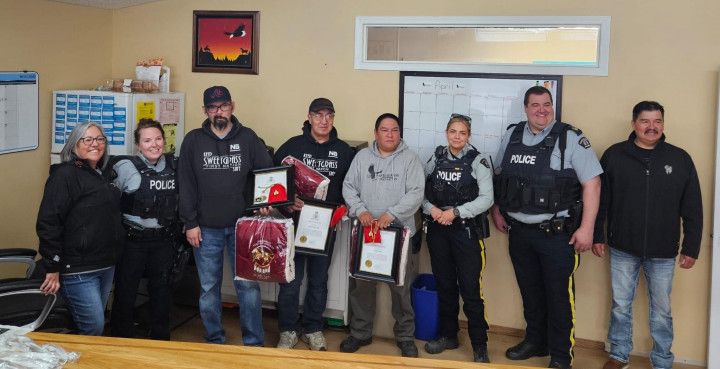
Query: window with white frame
[576,45]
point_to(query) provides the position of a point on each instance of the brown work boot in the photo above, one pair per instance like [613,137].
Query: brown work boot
[615,364]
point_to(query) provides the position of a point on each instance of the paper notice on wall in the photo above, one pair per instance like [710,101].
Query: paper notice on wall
[145,109]
[170,137]
[169,111]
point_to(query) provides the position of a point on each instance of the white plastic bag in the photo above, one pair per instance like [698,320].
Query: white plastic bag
[17,351]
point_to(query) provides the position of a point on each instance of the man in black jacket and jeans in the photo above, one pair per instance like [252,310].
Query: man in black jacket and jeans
[320,149]
[648,187]
[214,168]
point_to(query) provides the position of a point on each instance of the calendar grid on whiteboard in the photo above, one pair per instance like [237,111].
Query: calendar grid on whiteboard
[493,101]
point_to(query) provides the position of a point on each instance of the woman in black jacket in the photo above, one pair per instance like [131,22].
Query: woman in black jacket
[80,229]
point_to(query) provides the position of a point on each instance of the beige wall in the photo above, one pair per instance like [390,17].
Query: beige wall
[69,46]
[663,50]
[668,52]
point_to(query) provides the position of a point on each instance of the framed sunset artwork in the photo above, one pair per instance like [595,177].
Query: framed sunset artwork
[225,41]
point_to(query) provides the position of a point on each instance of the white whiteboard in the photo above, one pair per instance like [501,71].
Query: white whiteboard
[18,111]
[493,101]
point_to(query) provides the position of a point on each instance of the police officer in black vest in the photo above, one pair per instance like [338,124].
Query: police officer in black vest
[547,193]
[458,193]
[149,204]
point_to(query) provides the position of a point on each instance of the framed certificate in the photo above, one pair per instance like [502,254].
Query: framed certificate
[377,257]
[314,234]
[271,187]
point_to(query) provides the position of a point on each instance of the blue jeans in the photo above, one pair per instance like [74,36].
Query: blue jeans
[315,297]
[87,295]
[209,262]
[624,271]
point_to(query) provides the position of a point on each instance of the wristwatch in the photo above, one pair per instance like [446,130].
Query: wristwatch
[456,212]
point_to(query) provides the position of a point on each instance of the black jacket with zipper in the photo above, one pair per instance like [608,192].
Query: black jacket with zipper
[645,195]
[79,222]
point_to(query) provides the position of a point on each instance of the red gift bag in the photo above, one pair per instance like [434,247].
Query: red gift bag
[264,249]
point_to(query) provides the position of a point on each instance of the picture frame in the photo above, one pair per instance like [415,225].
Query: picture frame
[378,261]
[225,41]
[271,187]
[314,234]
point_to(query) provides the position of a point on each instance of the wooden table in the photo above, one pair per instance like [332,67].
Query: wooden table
[110,352]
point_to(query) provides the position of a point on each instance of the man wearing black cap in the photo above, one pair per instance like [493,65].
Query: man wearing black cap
[213,170]
[319,148]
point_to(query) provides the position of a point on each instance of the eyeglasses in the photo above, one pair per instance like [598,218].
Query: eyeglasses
[319,116]
[464,117]
[214,108]
[89,140]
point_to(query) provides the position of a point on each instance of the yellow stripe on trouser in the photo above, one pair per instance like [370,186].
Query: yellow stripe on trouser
[482,271]
[572,307]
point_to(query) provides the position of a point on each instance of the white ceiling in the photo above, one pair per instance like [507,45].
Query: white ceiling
[107,4]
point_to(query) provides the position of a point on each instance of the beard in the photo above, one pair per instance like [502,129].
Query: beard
[220,123]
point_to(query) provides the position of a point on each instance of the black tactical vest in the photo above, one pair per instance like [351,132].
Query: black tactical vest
[527,184]
[451,182]
[157,196]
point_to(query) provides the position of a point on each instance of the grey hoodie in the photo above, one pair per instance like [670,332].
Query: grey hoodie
[392,184]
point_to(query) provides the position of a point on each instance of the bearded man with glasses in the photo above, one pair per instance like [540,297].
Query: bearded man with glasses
[214,167]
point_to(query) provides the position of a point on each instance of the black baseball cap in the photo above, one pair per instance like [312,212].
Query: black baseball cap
[215,94]
[321,103]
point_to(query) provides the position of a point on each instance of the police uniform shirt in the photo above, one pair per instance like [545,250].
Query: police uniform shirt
[128,180]
[578,156]
[484,178]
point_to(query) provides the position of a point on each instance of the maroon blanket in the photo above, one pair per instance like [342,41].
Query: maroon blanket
[264,249]
[308,182]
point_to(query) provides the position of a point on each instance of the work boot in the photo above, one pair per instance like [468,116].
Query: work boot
[481,355]
[525,350]
[441,344]
[352,344]
[555,364]
[288,340]
[316,341]
[408,348]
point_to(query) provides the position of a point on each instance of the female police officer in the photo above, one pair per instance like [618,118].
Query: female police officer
[458,194]
[149,205]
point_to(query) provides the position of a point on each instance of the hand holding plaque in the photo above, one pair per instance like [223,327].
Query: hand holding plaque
[315,232]
[379,254]
[271,187]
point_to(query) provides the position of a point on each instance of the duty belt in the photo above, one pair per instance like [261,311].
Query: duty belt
[136,232]
[550,226]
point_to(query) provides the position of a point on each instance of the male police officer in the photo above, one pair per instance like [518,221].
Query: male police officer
[547,193]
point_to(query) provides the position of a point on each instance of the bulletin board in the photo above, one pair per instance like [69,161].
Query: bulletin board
[18,111]
[492,101]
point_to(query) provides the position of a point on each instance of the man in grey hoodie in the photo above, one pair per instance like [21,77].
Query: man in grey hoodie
[386,183]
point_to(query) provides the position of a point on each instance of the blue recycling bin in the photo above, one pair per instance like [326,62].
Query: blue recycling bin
[425,304]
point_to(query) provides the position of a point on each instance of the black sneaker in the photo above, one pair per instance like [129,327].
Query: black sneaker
[352,344]
[408,348]
[441,344]
[481,355]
